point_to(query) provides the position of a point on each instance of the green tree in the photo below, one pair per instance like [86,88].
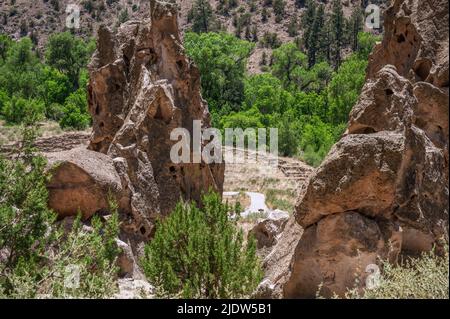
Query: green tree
[75,114]
[5,44]
[290,65]
[356,26]
[264,15]
[316,140]
[265,93]
[250,118]
[279,9]
[308,20]
[293,26]
[202,16]
[288,133]
[337,32]
[200,253]
[68,54]
[311,103]
[314,34]
[345,87]
[221,59]
[54,88]
[20,73]
[366,42]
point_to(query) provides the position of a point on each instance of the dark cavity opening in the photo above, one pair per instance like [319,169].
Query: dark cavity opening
[401,38]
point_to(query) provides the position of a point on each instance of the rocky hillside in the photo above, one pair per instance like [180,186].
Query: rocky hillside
[383,188]
[39,19]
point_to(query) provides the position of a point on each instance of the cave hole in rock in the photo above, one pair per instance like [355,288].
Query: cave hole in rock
[422,70]
[401,38]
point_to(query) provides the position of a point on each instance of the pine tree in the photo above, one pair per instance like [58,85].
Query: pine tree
[325,41]
[248,35]
[238,29]
[337,32]
[308,20]
[255,33]
[356,26]
[278,9]
[299,3]
[202,16]
[263,58]
[313,43]
[264,15]
[293,26]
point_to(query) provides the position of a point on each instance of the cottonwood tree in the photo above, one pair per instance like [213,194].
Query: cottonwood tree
[67,54]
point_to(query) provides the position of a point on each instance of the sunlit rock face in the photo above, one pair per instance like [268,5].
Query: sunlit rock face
[142,86]
[383,188]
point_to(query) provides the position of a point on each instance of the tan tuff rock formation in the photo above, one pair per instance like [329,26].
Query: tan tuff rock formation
[82,180]
[383,188]
[142,86]
[266,231]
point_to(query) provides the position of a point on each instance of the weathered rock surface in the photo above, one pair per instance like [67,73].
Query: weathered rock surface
[276,264]
[384,186]
[332,251]
[82,181]
[266,231]
[142,87]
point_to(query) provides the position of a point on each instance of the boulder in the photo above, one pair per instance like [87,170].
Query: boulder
[82,181]
[359,174]
[335,253]
[276,264]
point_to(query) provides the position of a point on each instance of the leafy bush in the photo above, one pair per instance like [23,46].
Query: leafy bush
[17,109]
[36,253]
[200,253]
[74,118]
[75,111]
[425,277]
